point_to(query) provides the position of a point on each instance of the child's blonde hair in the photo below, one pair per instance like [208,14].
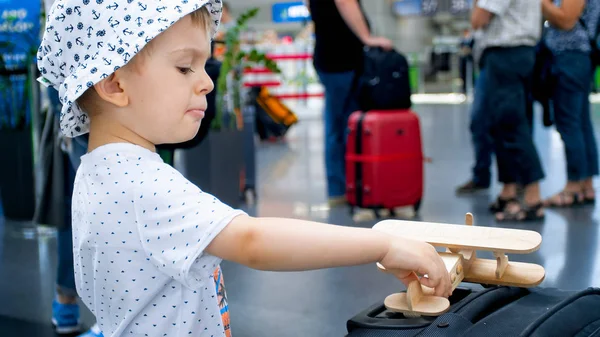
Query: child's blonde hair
[200,18]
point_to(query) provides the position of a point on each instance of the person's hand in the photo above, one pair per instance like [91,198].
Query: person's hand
[408,258]
[377,41]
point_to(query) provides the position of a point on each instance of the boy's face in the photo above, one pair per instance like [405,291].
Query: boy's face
[167,86]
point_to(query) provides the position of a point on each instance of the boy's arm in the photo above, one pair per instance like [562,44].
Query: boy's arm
[291,245]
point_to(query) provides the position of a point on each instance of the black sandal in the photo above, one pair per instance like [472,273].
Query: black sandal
[588,200]
[500,204]
[524,214]
[577,199]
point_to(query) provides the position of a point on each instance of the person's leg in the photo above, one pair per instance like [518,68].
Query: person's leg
[337,90]
[482,142]
[570,101]
[65,310]
[591,147]
[65,282]
[529,109]
[507,71]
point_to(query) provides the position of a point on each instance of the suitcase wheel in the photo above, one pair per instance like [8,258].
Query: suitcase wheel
[417,206]
[392,212]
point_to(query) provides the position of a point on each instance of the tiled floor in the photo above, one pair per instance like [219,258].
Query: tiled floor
[291,183]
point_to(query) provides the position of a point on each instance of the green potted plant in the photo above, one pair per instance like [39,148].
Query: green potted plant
[235,61]
[17,82]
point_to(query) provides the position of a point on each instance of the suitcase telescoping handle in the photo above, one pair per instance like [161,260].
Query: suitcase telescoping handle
[358,166]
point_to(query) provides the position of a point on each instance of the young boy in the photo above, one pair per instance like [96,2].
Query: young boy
[148,243]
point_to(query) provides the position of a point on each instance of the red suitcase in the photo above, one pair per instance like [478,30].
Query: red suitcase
[384,160]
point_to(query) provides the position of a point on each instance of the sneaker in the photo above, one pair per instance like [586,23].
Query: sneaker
[93,332]
[65,318]
[470,187]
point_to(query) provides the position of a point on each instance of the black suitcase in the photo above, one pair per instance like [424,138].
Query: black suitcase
[492,312]
[383,82]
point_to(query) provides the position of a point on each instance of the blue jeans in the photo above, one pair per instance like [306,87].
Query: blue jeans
[338,88]
[482,141]
[65,275]
[572,114]
[506,99]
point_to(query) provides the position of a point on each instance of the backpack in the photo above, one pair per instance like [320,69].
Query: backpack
[383,83]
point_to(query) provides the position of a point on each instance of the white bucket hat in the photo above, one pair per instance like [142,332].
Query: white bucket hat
[87,40]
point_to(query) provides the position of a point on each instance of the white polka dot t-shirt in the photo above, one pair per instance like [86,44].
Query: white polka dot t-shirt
[139,234]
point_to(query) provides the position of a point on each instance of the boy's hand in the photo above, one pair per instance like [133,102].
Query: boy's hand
[406,257]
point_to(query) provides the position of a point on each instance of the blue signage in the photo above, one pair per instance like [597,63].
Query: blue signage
[19,41]
[19,30]
[290,12]
[407,7]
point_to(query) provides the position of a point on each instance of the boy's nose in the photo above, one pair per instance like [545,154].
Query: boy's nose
[204,85]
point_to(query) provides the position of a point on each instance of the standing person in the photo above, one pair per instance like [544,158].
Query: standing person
[483,144]
[569,40]
[508,33]
[341,32]
[65,309]
[466,59]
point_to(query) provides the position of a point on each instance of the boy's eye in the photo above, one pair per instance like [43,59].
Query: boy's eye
[185,70]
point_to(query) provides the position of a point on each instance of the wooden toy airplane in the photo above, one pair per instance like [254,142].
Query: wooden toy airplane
[461,243]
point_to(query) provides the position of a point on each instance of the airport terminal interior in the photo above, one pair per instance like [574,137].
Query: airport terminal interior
[291,182]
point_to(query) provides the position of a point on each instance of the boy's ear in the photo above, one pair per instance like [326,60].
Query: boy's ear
[111,90]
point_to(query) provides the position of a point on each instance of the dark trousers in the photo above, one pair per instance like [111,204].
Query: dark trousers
[483,143]
[338,88]
[505,101]
[572,114]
